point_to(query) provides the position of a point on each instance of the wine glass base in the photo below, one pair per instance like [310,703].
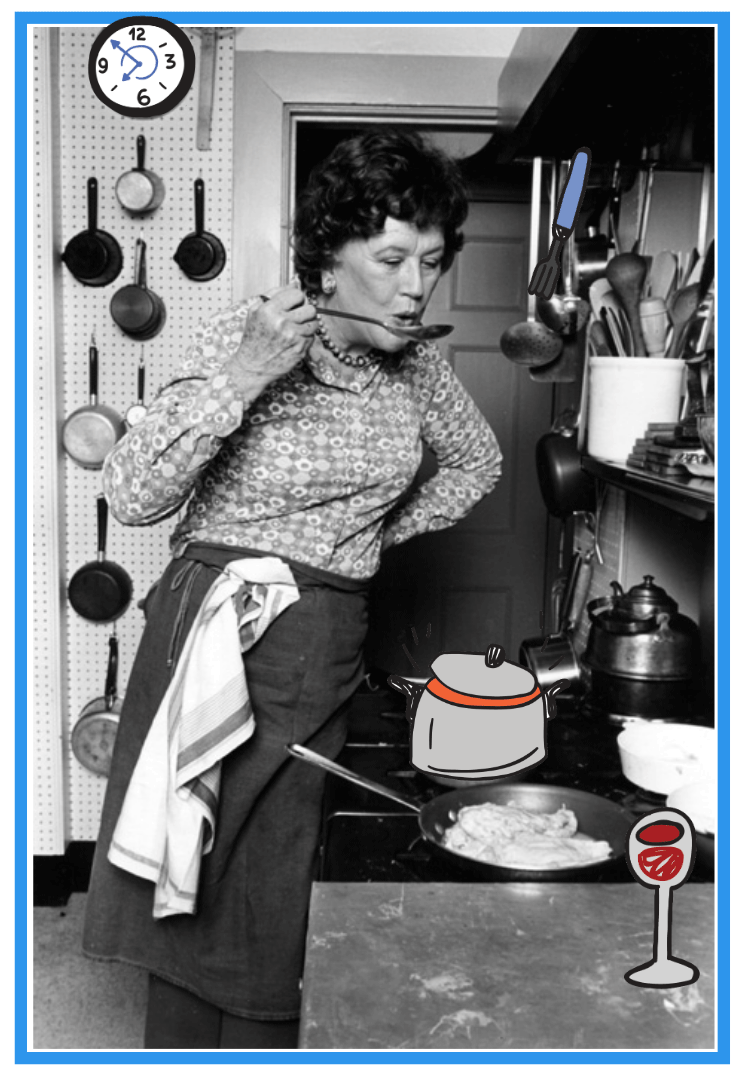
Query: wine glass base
[665,973]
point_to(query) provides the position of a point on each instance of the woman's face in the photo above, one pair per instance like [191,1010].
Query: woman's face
[390,276]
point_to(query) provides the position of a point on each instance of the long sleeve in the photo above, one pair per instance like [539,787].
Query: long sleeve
[152,470]
[467,454]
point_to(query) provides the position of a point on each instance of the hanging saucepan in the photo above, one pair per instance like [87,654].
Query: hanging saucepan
[200,255]
[140,191]
[138,311]
[564,485]
[94,257]
[93,736]
[92,431]
[597,818]
[100,591]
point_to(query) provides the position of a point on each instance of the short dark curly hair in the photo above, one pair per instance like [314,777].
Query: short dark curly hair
[380,173]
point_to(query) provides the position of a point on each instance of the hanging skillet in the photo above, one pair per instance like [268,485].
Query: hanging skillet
[94,257]
[100,591]
[138,311]
[200,255]
[140,191]
[92,431]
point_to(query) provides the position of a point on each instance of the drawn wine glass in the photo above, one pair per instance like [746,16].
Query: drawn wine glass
[661,854]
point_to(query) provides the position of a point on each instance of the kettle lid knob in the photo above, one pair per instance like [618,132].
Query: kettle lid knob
[494,656]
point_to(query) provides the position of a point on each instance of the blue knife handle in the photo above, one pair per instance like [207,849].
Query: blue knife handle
[575,187]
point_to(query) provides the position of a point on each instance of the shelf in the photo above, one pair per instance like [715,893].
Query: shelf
[692,497]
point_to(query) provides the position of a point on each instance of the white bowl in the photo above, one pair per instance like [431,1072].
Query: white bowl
[698,802]
[661,757]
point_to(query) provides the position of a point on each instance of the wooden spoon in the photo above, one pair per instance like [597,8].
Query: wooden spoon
[626,274]
[682,309]
[663,274]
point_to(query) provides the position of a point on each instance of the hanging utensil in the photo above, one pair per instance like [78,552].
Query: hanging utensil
[100,591]
[137,310]
[92,431]
[529,342]
[200,255]
[93,257]
[566,368]
[137,411]
[140,191]
[92,738]
[642,231]
[546,271]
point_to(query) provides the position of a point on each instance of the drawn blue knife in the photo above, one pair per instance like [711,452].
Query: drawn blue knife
[545,275]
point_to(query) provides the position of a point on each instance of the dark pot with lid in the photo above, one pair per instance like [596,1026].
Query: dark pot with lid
[641,635]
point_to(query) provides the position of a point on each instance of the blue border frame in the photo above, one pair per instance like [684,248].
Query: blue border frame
[722,1052]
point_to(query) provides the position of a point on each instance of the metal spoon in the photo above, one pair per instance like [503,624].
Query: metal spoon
[419,333]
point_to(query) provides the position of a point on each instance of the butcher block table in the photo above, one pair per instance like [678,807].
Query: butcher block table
[501,966]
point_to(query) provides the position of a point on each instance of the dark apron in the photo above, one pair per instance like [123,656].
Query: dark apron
[243,950]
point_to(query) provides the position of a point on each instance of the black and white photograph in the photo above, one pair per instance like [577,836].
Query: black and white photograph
[374,565]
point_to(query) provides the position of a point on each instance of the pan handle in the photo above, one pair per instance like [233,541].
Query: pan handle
[140,272]
[93,374]
[199,207]
[551,706]
[110,690]
[321,762]
[93,200]
[102,516]
[140,152]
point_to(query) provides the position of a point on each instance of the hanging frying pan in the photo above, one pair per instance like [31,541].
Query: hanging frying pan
[200,255]
[93,257]
[93,736]
[140,191]
[138,311]
[100,591]
[92,431]
[597,817]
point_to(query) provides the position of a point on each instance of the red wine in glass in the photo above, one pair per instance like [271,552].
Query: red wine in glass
[661,854]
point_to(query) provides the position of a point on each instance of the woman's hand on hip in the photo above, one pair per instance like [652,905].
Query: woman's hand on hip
[276,338]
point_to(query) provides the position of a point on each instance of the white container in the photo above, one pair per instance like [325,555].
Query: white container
[662,757]
[625,396]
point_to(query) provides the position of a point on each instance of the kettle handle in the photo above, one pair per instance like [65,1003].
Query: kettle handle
[551,706]
[412,692]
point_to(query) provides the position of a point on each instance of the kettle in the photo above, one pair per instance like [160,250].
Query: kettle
[641,635]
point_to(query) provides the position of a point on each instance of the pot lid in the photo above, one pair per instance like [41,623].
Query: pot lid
[647,596]
[483,674]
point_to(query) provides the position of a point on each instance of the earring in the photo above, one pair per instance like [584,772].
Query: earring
[329,286]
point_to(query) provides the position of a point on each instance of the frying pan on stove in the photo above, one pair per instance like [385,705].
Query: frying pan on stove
[597,817]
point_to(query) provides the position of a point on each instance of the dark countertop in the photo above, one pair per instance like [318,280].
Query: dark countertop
[501,966]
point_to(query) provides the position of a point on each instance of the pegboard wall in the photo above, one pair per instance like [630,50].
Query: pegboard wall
[96,142]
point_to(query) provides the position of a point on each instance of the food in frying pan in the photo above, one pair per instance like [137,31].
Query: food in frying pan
[514,837]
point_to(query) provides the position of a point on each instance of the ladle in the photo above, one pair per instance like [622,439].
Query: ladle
[529,342]
[419,333]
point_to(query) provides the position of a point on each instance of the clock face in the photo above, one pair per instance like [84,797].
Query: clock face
[141,66]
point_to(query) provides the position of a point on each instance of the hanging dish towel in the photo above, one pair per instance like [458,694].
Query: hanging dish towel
[167,822]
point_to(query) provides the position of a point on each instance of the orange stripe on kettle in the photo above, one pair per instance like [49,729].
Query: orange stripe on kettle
[455,697]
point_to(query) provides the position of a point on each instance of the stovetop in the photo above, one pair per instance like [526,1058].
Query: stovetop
[369,838]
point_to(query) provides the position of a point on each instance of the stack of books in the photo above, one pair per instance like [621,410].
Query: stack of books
[666,448]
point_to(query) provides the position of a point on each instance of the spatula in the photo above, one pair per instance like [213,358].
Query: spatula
[546,272]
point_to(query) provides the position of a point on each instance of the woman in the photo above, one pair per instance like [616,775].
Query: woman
[298,437]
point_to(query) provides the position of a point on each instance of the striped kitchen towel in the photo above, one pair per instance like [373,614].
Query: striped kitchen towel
[167,822]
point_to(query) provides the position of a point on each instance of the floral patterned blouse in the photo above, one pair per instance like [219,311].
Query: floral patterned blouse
[318,468]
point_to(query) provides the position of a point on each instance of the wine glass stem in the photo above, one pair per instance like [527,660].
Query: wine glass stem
[663,906]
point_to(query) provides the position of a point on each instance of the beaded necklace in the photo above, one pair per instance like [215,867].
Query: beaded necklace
[356,361]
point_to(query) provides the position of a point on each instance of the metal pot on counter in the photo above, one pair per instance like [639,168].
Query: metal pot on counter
[642,654]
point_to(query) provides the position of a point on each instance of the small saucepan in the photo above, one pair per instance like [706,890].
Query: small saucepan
[597,818]
[200,255]
[138,311]
[100,591]
[95,731]
[92,431]
[140,191]
[93,257]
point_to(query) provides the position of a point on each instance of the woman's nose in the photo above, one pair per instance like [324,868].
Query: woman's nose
[411,282]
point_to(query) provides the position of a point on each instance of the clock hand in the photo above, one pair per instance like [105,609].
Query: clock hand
[137,64]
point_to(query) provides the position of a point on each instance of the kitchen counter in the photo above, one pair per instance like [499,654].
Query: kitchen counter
[501,966]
